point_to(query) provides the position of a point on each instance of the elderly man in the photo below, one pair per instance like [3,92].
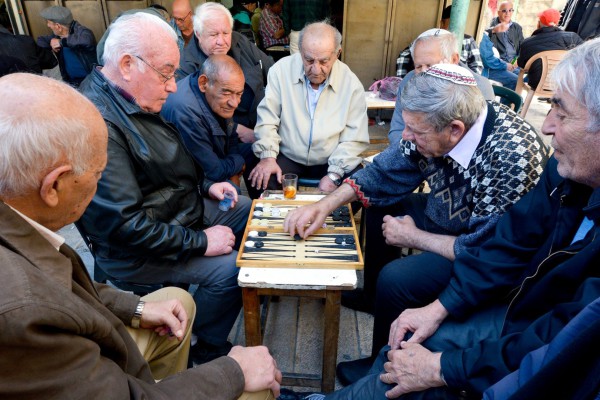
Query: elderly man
[213,26]
[433,46]
[155,217]
[63,335]
[505,34]
[547,36]
[313,119]
[73,44]
[202,110]
[183,18]
[478,158]
[514,293]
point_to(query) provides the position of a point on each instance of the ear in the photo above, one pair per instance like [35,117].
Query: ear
[455,58]
[457,131]
[203,83]
[125,65]
[52,184]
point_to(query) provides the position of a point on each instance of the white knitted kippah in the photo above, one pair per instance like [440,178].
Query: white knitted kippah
[453,73]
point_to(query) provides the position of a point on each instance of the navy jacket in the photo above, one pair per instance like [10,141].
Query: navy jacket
[254,63]
[209,138]
[531,262]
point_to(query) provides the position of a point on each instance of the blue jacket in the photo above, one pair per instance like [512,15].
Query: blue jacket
[531,262]
[490,61]
[209,138]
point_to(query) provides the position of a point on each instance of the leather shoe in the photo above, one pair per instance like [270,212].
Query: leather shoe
[356,300]
[203,352]
[349,372]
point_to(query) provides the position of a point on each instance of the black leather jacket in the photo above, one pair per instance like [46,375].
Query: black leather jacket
[149,202]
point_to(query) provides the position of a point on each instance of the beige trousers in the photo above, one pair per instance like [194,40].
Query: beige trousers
[294,36]
[168,357]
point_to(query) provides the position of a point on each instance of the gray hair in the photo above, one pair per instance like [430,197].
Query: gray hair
[206,11]
[214,66]
[442,101]
[324,24]
[579,75]
[34,142]
[127,36]
[447,43]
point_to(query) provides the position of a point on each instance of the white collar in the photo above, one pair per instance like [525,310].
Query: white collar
[463,152]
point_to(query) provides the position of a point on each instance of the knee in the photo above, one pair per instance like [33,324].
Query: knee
[172,292]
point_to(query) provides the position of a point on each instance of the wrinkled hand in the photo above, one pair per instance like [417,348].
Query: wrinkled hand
[326,185]
[259,367]
[220,240]
[414,368]
[245,134]
[165,317]
[400,231]
[423,322]
[262,172]
[305,220]
[216,192]
[501,27]
[55,44]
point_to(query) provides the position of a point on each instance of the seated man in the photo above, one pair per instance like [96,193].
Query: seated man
[272,32]
[73,44]
[242,12]
[155,217]
[63,335]
[183,18]
[22,47]
[202,109]
[433,46]
[518,290]
[313,119]
[469,55]
[478,158]
[506,34]
[494,67]
[547,36]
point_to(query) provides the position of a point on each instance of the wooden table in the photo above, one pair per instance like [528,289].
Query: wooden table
[303,278]
[376,103]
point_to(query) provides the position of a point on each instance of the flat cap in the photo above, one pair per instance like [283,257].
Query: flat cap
[58,14]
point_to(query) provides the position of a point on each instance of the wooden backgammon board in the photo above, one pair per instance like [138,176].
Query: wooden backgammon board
[265,244]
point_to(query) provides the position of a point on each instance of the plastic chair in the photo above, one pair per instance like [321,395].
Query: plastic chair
[513,98]
[545,87]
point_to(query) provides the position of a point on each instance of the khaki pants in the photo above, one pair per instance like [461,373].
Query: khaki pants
[168,357]
[294,36]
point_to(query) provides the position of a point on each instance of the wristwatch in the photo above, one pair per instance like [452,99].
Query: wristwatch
[137,315]
[335,178]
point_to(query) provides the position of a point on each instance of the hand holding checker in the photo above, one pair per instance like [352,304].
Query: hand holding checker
[305,220]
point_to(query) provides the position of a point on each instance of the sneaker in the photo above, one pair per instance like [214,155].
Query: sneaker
[203,352]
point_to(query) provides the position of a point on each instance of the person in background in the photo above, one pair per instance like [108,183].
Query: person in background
[19,53]
[506,34]
[313,120]
[242,12]
[63,335]
[298,13]
[495,68]
[547,36]
[272,32]
[183,17]
[73,44]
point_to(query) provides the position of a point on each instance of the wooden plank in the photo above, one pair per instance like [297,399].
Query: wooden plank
[290,278]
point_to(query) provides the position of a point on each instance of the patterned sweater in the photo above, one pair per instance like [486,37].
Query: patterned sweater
[467,202]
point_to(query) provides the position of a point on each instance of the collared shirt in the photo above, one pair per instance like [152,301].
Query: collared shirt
[463,152]
[313,95]
[54,238]
[270,23]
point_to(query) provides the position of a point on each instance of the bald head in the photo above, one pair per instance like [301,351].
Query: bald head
[43,141]
[321,32]
[505,11]
[182,14]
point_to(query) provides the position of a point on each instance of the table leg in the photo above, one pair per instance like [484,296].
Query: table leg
[252,316]
[330,339]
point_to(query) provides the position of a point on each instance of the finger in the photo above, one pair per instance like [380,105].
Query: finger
[395,392]
[265,179]
[279,175]
[386,378]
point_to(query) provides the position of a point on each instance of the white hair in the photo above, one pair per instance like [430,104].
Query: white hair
[34,142]
[206,11]
[323,25]
[127,36]
[447,42]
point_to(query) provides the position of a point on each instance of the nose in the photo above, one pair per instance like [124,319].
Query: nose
[549,125]
[407,135]
[171,85]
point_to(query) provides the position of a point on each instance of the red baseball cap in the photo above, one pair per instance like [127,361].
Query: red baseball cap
[550,17]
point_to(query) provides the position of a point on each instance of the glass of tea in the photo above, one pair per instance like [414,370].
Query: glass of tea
[290,186]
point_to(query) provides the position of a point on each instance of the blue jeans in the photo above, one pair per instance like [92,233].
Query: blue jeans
[507,78]
[452,334]
[218,297]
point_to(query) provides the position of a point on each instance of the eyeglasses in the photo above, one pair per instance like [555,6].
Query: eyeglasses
[167,78]
[181,20]
[507,11]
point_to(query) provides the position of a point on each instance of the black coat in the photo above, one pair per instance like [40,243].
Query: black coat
[23,47]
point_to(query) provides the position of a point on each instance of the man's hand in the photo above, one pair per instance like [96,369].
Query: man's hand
[165,317]
[413,368]
[217,190]
[400,231]
[220,240]
[259,367]
[262,172]
[423,322]
[55,44]
[501,27]
[326,185]
[306,220]
[245,134]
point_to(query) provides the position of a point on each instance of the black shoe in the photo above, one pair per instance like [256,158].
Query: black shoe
[349,372]
[203,352]
[356,300]
[287,394]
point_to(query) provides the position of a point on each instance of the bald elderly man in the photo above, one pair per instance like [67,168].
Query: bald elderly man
[63,335]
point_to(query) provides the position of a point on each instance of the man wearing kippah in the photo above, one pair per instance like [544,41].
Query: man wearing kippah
[73,44]
[478,159]
[547,36]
